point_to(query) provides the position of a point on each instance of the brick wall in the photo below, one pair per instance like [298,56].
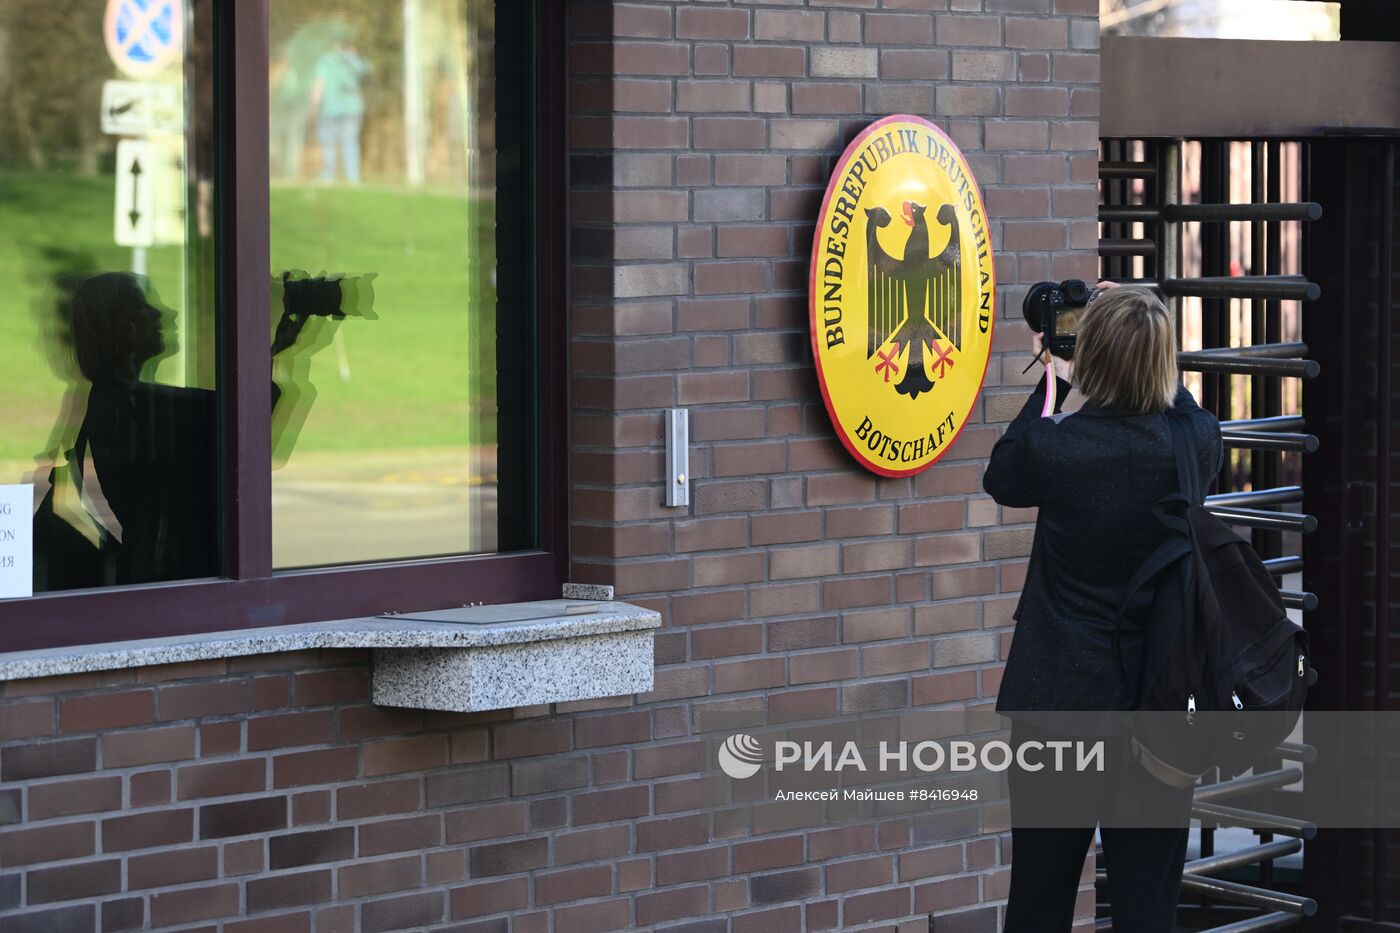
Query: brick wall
[267,794]
[702,135]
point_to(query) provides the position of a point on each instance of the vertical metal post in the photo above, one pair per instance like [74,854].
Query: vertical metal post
[1168,260]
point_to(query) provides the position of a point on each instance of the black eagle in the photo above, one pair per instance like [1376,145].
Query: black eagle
[915,300]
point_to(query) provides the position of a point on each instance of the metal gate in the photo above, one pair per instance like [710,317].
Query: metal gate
[1214,226]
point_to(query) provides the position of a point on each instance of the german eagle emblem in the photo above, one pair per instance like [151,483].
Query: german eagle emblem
[915,301]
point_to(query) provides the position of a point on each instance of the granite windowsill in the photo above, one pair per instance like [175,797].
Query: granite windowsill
[463,659]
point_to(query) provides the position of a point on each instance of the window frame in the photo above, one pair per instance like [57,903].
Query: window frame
[253,594]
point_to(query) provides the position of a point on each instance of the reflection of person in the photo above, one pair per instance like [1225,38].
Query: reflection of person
[129,493]
[340,108]
[1094,476]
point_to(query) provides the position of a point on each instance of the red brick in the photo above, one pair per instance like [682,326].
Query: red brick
[325,766]
[605,806]
[150,787]
[242,818]
[67,798]
[147,830]
[195,701]
[294,850]
[523,739]
[332,688]
[574,884]
[280,923]
[290,729]
[597,917]
[401,835]
[220,738]
[702,23]
[899,28]
[478,823]
[289,890]
[243,776]
[149,746]
[26,720]
[591,845]
[46,844]
[47,759]
[171,907]
[180,866]
[379,798]
[107,711]
[372,722]
[490,897]
[778,61]
[72,882]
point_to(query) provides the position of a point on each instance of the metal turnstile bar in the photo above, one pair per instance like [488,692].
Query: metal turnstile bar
[1241,857]
[1218,213]
[1296,751]
[1251,497]
[1282,565]
[1259,518]
[1237,893]
[1292,350]
[1222,815]
[1128,214]
[1297,599]
[1274,423]
[1214,793]
[1248,366]
[1269,440]
[1274,287]
[1127,170]
[1122,247]
[1275,920]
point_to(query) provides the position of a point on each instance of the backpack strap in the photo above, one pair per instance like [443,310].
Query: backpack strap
[1167,553]
[1188,471]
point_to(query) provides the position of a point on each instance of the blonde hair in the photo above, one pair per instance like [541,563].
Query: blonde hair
[1125,355]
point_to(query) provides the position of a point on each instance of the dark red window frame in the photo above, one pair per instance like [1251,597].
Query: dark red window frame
[253,594]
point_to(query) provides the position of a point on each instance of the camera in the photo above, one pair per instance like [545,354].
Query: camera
[1053,310]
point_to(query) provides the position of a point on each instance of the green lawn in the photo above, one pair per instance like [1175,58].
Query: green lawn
[417,377]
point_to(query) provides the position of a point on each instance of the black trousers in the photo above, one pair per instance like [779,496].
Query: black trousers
[1053,815]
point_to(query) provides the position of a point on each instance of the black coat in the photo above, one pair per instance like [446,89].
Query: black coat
[1094,475]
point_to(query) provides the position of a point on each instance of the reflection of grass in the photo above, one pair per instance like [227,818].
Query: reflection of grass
[419,376]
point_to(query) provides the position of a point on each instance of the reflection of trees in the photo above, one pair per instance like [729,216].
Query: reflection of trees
[1137,17]
[449,55]
[52,65]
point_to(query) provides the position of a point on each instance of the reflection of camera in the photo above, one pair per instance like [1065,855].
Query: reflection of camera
[328,296]
[1054,311]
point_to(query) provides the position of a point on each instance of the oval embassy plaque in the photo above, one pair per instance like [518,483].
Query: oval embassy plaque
[902,295]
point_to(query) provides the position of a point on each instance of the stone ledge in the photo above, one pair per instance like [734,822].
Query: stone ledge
[464,659]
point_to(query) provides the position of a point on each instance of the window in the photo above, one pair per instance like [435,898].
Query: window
[274,343]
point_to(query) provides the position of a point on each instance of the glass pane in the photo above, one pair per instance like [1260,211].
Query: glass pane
[107,315]
[392,156]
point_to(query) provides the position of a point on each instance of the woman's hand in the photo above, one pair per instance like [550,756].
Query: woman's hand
[1063,368]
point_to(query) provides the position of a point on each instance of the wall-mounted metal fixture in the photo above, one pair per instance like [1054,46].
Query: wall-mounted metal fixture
[677,456]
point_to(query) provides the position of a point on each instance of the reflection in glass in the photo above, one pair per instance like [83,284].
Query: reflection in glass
[389,176]
[106,319]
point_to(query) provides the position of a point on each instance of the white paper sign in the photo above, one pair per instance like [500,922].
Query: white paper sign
[140,108]
[135,219]
[16,540]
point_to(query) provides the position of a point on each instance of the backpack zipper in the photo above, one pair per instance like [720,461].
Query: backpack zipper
[1239,704]
[1191,709]
[1300,665]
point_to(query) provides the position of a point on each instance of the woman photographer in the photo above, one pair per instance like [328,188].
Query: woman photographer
[1094,475]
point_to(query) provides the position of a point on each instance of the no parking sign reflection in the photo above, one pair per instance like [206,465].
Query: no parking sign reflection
[144,36]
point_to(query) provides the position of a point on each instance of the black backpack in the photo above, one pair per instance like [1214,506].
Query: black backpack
[1221,672]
